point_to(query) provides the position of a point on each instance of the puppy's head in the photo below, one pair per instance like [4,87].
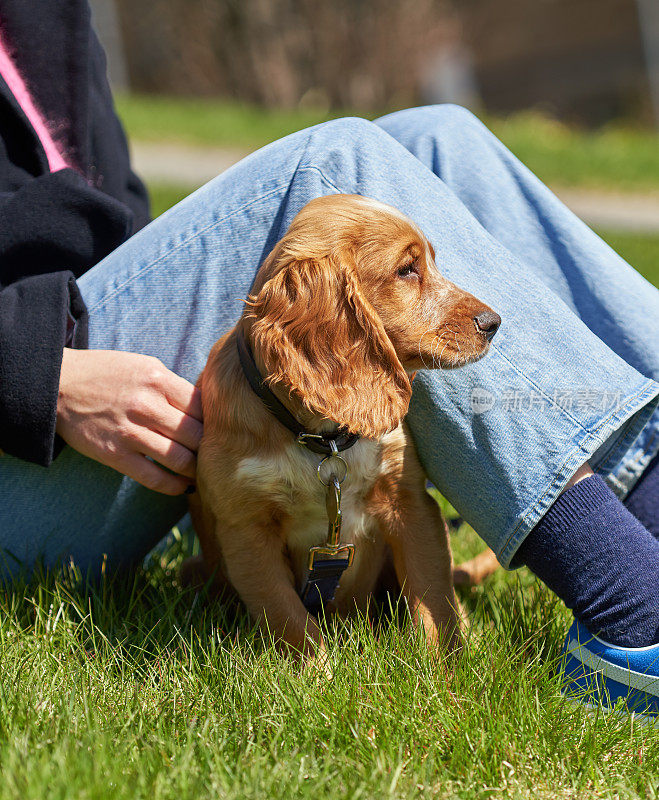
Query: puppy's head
[349,303]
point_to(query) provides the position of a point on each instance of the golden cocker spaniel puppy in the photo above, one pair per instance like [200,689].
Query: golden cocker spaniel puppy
[347,306]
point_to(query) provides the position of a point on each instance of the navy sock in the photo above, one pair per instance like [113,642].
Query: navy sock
[643,500]
[601,561]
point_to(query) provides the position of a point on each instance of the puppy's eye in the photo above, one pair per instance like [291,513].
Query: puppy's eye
[407,269]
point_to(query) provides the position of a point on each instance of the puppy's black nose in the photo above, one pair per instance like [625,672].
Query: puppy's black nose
[488,323]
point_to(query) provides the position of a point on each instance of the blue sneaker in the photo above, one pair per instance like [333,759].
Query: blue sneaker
[600,673]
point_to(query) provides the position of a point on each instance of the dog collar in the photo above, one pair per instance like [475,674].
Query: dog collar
[328,562]
[322,443]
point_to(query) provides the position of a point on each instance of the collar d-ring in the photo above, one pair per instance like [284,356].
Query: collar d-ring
[339,472]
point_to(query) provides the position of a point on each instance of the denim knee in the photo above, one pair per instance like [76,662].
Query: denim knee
[344,148]
[351,133]
[350,153]
[446,121]
[446,113]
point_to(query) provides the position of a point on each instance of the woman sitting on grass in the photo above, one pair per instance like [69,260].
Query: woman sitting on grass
[548,447]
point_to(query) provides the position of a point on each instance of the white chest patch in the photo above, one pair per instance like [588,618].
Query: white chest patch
[290,479]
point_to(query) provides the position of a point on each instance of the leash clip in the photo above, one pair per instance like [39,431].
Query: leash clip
[333,548]
[328,562]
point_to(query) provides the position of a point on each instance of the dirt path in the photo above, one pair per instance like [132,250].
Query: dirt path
[193,166]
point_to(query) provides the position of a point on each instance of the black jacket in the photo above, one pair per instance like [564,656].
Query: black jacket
[54,227]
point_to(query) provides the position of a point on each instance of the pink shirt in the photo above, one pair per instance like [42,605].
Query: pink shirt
[17,87]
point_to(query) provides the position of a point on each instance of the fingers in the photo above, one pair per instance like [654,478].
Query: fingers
[183,395]
[170,454]
[181,420]
[170,406]
[178,426]
[152,476]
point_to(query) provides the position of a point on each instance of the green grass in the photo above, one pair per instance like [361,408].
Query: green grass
[164,196]
[616,157]
[639,250]
[210,122]
[137,689]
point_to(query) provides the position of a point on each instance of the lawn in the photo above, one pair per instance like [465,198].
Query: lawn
[134,688]
[641,251]
[137,689]
[618,156]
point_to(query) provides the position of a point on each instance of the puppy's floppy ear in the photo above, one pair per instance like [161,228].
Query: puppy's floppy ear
[322,340]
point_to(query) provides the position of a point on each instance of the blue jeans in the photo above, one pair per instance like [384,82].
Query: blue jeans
[570,377]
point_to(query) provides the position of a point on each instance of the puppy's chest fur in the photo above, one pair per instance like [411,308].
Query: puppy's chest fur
[290,480]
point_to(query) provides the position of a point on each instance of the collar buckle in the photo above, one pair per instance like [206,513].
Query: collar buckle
[303,437]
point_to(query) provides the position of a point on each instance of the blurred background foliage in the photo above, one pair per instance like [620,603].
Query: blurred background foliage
[570,86]
[584,60]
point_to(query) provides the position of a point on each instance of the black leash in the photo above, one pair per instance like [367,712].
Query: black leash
[328,562]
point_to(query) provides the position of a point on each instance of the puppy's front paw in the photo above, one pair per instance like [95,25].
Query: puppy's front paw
[463,575]
[193,574]
[196,576]
[318,664]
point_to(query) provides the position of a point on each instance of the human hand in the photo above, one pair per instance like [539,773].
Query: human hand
[123,409]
